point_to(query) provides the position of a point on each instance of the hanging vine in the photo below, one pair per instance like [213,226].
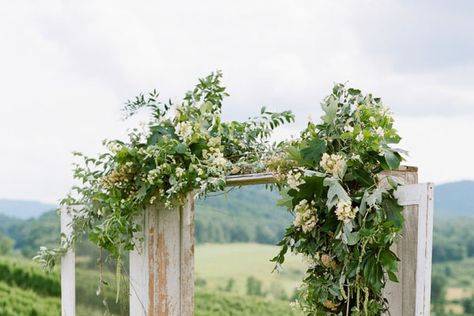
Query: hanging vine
[345,214]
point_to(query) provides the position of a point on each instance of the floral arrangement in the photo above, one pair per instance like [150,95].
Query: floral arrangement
[346,215]
[183,147]
[330,178]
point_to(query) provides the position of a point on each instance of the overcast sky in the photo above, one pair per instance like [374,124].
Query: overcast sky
[66,67]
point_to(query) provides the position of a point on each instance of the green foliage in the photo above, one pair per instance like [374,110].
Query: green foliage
[346,220]
[230,286]
[468,306]
[254,287]
[453,239]
[28,276]
[6,245]
[31,234]
[170,156]
[438,288]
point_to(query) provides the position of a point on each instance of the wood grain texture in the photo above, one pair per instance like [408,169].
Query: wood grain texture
[187,257]
[138,267]
[162,266]
[402,296]
[68,267]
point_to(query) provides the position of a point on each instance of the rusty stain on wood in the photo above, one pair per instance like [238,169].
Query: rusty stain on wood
[162,265]
[187,257]
[151,270]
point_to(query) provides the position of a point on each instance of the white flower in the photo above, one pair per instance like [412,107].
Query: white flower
[214,141]
[179,172]
[380,132]
[294,179]
[200,171]
[348,128]
[355,157]
[153,175]
[333,164]
[218,160]
[305,216]
[360,137]
[345,212]
[372,119]
[185,130]
[114,147]
[385,110]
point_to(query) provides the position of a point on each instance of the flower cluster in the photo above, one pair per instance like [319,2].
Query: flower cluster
[345,212]
[334,164]
[185,131]
[305,216]
[294,179]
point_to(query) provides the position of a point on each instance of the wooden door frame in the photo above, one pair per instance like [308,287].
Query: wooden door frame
[162,266]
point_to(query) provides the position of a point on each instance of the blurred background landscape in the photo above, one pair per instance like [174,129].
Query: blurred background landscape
[243,224]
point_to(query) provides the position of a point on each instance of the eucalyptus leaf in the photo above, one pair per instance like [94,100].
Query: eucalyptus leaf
[336,192]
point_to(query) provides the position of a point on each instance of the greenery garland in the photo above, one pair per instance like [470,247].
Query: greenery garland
[346,217]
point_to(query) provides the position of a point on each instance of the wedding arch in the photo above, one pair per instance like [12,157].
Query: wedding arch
[361,220]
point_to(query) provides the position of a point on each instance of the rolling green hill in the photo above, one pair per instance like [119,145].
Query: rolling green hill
[247,214]
[454,199]
[24,209]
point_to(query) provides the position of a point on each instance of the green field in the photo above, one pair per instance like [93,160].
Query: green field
[217,263]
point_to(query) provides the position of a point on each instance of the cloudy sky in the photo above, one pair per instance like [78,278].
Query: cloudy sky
[68,66]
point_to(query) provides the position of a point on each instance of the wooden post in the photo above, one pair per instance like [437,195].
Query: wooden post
[411,296]
[68,265]
[162,268]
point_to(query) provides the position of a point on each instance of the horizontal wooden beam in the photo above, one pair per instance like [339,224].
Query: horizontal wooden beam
[268,177]
[250,179]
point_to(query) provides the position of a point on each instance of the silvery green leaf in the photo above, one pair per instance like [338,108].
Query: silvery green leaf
[401,151]
[375,197]
[329,107]
[309,173]
[336,192]
[363,203]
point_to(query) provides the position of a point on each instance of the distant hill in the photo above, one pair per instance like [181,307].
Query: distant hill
[454,199]
[24,209]
[247,214]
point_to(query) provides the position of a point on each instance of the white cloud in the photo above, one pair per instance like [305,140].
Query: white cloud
[68,66]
